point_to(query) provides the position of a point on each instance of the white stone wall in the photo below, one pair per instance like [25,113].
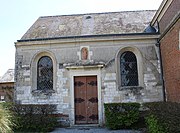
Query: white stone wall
[60,97]
[148,93]
[103,51]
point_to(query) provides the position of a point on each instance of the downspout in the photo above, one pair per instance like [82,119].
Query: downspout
[158,44]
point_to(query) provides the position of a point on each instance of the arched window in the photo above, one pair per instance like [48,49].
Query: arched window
[45,73]
[128,69]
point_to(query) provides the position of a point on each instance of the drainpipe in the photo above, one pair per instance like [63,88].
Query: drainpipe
[158,44]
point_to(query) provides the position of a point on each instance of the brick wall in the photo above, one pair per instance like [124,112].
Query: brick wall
[6,91]
[171,62]
[170,13]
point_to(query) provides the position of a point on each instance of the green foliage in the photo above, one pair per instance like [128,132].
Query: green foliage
[6,119]
[35,118]
[165,114]
[153,125]
[121,115]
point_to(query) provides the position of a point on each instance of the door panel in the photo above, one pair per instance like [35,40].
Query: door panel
[86,100]
[80,99]
[92,100]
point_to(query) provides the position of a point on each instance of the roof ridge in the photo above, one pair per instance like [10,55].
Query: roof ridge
[93,13]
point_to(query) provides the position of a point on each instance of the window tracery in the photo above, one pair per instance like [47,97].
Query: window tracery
[128,69]
[45,73]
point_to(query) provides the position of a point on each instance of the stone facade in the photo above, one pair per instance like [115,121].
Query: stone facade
[101,59]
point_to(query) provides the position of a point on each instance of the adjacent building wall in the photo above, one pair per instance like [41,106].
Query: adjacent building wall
[7,86]
[167,18]
[171,64]
[170,13]
[6,91]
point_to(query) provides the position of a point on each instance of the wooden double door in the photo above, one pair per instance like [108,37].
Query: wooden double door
[86,100]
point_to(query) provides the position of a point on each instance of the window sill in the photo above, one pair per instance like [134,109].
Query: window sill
[43,92]
[120,88]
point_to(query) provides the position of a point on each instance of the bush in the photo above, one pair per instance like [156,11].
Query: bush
[163,117]
[35,118]
[121,115]
[6,119]
[153,125]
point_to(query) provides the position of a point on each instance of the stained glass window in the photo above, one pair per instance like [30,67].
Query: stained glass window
[128,69]
[45,73]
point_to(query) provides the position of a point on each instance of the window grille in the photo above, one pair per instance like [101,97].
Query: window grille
[128,69]
[45,73]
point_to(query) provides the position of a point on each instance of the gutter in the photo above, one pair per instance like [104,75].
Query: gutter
[158,44]
[85,36]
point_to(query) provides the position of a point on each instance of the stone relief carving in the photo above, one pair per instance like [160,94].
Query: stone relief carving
[84,53]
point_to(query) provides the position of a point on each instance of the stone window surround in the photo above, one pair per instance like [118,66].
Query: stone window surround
[138,55]
[33,76]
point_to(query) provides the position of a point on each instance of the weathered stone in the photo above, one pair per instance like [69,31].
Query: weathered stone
[102,60]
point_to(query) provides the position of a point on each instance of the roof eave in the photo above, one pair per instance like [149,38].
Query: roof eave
[160,12]
[87,36]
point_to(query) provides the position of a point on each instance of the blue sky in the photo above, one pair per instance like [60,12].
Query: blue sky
[16,17]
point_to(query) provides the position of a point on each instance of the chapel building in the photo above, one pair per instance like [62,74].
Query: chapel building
[79,62]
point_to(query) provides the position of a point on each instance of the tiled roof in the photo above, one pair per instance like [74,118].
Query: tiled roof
[8,76]
[89,24]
